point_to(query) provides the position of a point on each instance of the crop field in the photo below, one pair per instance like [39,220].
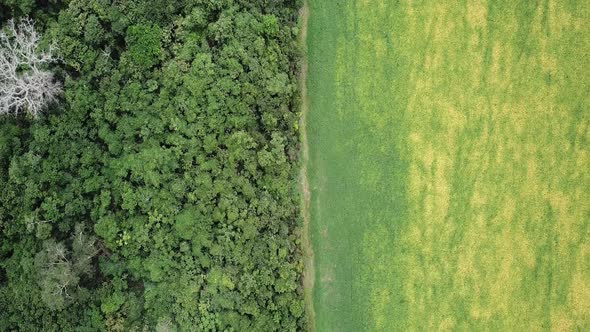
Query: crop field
[450,164]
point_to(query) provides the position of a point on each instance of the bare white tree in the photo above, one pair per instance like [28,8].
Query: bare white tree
[24,85]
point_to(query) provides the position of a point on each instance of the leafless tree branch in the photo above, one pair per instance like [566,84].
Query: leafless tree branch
[24,84]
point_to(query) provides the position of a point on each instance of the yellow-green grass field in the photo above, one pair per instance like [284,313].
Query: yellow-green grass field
[450,164]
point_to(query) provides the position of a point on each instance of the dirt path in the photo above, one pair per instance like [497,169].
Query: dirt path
[309,271]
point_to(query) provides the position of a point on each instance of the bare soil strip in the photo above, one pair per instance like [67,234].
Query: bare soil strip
[309,271]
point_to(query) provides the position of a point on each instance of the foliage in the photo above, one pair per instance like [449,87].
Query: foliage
[59,269]
[176,145]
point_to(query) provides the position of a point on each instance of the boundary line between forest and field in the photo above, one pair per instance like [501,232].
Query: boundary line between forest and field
[309,268]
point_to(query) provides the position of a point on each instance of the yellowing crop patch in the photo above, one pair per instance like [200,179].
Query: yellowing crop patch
[450,164]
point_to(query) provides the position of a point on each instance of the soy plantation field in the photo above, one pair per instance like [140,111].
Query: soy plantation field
[450,164]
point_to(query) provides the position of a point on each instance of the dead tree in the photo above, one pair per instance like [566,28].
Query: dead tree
[25,83]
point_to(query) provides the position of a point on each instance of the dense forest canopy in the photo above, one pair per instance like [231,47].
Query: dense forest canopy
[159,192]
